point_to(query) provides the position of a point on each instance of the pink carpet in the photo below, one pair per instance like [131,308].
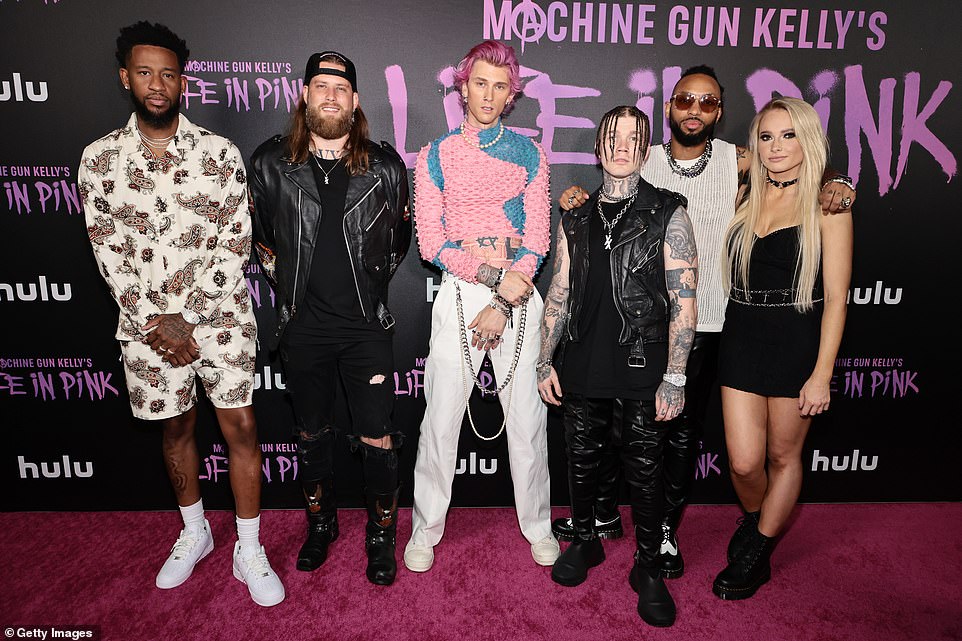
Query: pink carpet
[843,572]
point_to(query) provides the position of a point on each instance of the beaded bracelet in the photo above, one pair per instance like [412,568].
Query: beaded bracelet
[842,180]
[494,304]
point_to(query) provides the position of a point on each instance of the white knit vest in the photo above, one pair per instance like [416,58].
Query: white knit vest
[711,205]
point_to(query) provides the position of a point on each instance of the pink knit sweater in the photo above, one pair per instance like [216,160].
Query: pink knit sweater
[465,195]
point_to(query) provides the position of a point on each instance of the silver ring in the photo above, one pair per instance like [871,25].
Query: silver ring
[846,202]
[571,200]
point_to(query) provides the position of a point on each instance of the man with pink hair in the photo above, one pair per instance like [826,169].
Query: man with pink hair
[482,214]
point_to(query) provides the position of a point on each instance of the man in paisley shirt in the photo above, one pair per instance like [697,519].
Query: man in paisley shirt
[165,203]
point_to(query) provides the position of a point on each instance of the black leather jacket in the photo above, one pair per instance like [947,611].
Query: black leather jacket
[287,213]
[637,267]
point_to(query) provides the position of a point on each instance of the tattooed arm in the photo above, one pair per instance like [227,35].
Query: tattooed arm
[681,278]
[554,322]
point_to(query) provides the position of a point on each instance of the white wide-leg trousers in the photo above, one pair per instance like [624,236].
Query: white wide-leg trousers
[445,396]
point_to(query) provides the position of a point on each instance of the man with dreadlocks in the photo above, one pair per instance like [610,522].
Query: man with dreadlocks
[623,296]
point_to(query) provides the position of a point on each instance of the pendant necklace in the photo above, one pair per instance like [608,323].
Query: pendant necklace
[327,180]
[609,227]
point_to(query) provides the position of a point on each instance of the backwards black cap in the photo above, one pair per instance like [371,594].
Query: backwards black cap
[316,60]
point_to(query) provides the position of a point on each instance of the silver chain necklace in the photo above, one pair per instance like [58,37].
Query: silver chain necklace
[694,170]
[466,360]
[326,173]
[609,227]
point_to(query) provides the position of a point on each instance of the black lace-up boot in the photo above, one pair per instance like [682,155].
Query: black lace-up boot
[748,571]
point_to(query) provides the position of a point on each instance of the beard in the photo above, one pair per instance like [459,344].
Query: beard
[690,139]
[328,128]
[153,119]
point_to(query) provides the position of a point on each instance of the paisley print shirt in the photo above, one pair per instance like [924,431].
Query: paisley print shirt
[172,233]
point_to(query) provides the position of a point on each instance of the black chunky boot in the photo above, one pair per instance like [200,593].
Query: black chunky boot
[747,525]
[748,571]
[321,524]
[381,537]
[572,566]
[655,605]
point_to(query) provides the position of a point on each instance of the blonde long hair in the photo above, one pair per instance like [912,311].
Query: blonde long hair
[740,237]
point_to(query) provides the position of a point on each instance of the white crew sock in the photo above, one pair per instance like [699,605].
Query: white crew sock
[248,531]
[193,515]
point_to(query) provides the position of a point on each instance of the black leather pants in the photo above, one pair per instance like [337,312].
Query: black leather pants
[684,433]
[629,427]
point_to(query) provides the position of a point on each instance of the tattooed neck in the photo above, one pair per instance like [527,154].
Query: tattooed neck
[328,154]
[619,188]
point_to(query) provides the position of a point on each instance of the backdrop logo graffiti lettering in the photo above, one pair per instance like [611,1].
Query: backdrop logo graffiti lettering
[279,463]
[259,289]
[40,290]
[64,468]
[56,379]
[627,23]
[39,188]
[411,382]
[476,465]
[19,90]
[843,462]
[875,295]
[257,83]
[268,379]
[874,378]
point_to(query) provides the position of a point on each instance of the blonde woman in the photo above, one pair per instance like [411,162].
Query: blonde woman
[787,269]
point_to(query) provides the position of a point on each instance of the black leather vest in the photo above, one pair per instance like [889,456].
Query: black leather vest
[637,267]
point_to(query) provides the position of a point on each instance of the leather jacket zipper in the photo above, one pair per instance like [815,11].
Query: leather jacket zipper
[347,243]
[297,264]
[371,224]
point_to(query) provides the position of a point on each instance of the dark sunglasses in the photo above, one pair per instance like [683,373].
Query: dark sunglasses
[707,101]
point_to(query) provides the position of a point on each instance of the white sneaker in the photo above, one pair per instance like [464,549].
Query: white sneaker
[191,546]
[418,558]
[546,551]
[255,570]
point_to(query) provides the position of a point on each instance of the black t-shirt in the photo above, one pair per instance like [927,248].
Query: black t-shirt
[596,366]
[331,312]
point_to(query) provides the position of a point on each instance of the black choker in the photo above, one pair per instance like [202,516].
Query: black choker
[780,185]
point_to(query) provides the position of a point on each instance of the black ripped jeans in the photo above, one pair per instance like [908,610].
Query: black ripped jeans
[366,369]
[596,425]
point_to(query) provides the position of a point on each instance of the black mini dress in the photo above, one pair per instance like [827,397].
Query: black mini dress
[767,346]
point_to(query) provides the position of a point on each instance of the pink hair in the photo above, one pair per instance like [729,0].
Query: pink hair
[494,53]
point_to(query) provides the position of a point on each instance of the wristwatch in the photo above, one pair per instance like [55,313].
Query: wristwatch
[191,316]
[678,380]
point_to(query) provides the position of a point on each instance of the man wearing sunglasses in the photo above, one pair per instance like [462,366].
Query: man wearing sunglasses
[708,172]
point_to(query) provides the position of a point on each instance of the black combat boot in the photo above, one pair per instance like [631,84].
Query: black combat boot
[321,524]
[749,570]
[381,537]
[655,605]
[747,525]
[584,553]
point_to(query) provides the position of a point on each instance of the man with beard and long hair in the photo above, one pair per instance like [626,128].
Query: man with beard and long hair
[166,208]
[708,172]
[331,225]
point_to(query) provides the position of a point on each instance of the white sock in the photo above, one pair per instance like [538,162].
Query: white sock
[248,531]
[193,515]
